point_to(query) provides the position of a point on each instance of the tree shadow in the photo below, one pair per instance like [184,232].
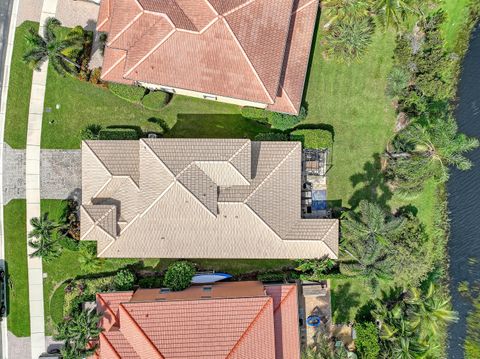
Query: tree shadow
[343,300]
[373,186]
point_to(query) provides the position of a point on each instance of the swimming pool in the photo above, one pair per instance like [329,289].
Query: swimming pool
[319,200]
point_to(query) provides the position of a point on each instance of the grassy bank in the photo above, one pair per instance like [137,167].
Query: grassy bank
[17,271]
[20,85]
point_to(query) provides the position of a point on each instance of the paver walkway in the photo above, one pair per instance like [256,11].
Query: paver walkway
[32,193]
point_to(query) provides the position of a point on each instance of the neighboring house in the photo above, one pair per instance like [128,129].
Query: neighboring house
[199,198]
[245,52]
[224,320]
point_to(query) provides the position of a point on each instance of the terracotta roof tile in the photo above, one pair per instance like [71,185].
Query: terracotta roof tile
[243,55]
[257,37]
[207,328]
[114,343]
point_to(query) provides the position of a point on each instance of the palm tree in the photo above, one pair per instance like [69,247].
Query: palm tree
[368,259]
[345,10]
[423,152]
[429,311]
[371,223]
[89,262]
[79,330]
[52,48]
[42,237]
[393,12]
[349,40]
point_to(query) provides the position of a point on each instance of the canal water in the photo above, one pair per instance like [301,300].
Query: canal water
[464,198]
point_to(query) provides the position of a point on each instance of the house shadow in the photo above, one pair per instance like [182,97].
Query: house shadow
[373,186]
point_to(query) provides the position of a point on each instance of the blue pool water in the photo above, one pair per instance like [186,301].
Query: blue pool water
[319,200]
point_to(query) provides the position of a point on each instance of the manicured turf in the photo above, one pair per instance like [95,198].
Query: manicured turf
[82,104]
[457,12]
[20,84]
[16,264]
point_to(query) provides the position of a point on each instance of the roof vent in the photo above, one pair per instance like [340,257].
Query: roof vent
[207,288]
[164,290]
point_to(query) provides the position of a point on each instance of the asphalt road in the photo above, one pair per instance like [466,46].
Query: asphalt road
[5,14]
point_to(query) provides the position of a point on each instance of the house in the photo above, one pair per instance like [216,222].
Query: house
[223,320]
[245,52]
[199,198]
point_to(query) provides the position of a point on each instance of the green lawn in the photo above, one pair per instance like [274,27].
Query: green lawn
[16,264]
[20,84]
[351,98]
[457,12]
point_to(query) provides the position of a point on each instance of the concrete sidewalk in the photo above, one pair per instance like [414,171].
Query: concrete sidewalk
[32,193]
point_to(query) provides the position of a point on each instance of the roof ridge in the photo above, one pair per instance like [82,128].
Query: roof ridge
[121,306]
[147,55]
[121,32]
[292,287]
[304,6]
[242,50]
[271,173]
[99,296]
[193,194]
[250,326]
[246,3]
[110,345]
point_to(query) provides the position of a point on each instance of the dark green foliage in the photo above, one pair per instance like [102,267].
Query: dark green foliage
[69,243]
[150,282]
[315,269]
[318,139]
[124,280]
[61,52]
[118,134]
[348,41]
[271,136]
[397,82]
[254,113]
[367,341]
[282,121]
[91,132]
[129,93]
[271,277]
[77,331]
[472,342]
[155,100]
[179,275]
[412,252]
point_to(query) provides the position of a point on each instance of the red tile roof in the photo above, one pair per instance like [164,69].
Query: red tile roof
[257,327]
[254,50]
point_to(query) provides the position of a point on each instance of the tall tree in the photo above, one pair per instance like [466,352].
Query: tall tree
[42,237]
[423,152]
[52,48]
[345,10]
[367,258]
[393,12]
[370,222]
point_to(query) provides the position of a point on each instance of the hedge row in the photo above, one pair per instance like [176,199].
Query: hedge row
[129,93]
[313,138]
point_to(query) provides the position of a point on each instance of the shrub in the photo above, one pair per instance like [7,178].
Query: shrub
[254,113]
[118,134]
[367,341]
[155,100]
[124,280]
[397,82]
[179,275]
[282,121]
[129,93]
[313,138]
[271,277]
[91,132]
[271,136]
[160,122]
[95,76]
[150,282]
[69,243]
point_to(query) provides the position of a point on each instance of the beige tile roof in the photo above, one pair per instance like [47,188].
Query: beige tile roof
[254,50]
[190,202]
